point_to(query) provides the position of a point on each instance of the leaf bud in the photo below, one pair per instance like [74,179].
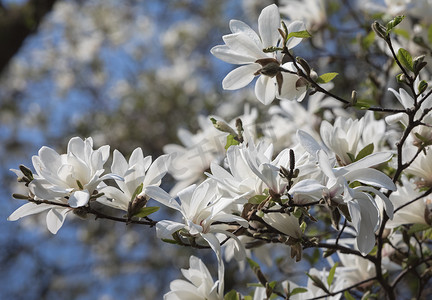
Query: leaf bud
[223,126]
[422,86]
[380,30]
[354,97]
[20,197]
[313,75]
[304,64]
[26,171]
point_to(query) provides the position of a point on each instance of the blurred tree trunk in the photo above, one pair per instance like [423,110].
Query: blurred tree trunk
[17,22]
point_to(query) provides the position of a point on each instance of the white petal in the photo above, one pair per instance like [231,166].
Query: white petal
[244,45]
[79,198]
[369,161]
[228,55]
[289,91]
[265,89]
[157,170]
[307,186]
[27,210]
[287,224]
[240,77]
[295,27]
[308,142]
[268,24]
[161,196]
[165,228]
[371,177]
[55,219]
[119,164]
[239,26]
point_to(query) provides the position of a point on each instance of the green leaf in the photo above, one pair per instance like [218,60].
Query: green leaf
[298,290]
[169,241]
[365,151]
[257,199]
[351,156]
[231,141]
[252,264]
[417,228]
[393,23]
[327,77]
[330,277]
[138,191]
[317,282]
[422,86]
[348,296]
[145,211]
[247,297]
[405,59]
[232,295]
[304,34]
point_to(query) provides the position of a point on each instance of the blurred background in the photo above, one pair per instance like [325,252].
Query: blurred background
[128,73]
[131,73]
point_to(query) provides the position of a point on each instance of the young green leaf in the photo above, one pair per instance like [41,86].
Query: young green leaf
[365,151]
[232,295]
[317,282]
[138,190]
[298,290]
[257,199]
[330,277]
[348,296]
[145,211]
[393,23]
[430,34]
[327,77]
[417,228]
[231,141]
[405,59]
[304,34]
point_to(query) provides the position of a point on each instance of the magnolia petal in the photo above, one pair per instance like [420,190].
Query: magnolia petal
[372,177]
[265,89]
[287,224]
[242,43]
[388,205]
[289,89]
[27,210]
[165,228]
[157,170]
[228,55]
[55,219]
[308,142]
[79,198]
[268,24]
[295,27]
[161,196]
[369,161]
[240,77]
[307,186]
[237,26]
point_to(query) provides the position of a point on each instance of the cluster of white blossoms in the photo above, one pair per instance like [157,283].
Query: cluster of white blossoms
[240,182]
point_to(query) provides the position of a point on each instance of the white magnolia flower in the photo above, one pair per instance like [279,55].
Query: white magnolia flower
[362,207]
[312,12]
[342,137]
[201,206]
[200,284]
[421,167]
[287,224]
[201,149]
[408,103]
[245,47]
[139,170]
[413,213]
[68,179]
